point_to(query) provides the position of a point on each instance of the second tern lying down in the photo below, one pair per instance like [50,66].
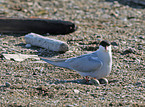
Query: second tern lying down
[96,65]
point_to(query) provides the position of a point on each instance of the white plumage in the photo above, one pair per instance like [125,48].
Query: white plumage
[97,64]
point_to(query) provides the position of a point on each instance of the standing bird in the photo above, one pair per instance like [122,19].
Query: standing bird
[96,65]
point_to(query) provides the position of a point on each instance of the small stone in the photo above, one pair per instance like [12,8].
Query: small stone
[28,45]
[103,81]
[106,16]
[7,84]
[129,50]
[140,37]
[116,4]
[97,88]
[140,47]
[111,104]
[94,82]
[102,98]
[76,91]
[123,19]
[138,84]
[114,43]
[2,85]
[69,106]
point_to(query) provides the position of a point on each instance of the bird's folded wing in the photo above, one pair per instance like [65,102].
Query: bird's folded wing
[85,63]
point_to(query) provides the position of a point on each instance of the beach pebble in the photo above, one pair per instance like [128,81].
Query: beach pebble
[140,47]
[140,37]
[138,84]
[76,91]
[7,84]
[28,45]
[129,50]
[114,43]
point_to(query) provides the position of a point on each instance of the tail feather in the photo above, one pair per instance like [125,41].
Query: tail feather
[59,63]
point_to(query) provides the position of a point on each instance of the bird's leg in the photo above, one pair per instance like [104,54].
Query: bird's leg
[86,77]
[93,78]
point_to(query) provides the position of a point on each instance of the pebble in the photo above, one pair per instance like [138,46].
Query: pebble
[102,98]
[129,50]
[69,106]
[138,84]
[114,43]
[140,47]
[140,37]
[2,85]
[97,88]
[116,4]
[7,84]
[123,19]
[76,91]
[28,45]
[106,16]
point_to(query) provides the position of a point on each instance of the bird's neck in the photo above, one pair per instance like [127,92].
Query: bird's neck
[105,55]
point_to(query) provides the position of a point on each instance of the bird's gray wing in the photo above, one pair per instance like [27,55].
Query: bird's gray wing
[85,63]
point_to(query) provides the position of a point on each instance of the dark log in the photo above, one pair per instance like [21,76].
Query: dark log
[40,26]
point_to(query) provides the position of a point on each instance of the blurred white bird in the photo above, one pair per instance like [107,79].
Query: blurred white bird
[96,65]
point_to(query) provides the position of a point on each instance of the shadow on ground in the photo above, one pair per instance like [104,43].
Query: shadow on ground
[130,3]
[78,81]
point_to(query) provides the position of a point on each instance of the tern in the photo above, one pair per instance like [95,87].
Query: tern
[95,65]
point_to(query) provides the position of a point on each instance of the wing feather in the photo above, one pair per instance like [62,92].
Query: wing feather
[85,63]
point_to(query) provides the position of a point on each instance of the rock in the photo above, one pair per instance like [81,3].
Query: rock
[7,84]
[2,86]
[140,37]
[129,50]
[138,84]
[114,43]
[106,16]
[140,47]
[69,106]
[28,45]
[76,91]
[102,98]
[42,88]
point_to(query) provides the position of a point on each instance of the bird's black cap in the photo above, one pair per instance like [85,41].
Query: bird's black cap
[105,43]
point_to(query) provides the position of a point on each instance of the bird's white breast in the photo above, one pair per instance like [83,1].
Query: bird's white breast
[106,58]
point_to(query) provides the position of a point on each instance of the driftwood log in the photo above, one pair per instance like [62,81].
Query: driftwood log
[45,42]
[40,26]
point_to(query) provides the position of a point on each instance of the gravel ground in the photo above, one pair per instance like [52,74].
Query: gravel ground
[29,83]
